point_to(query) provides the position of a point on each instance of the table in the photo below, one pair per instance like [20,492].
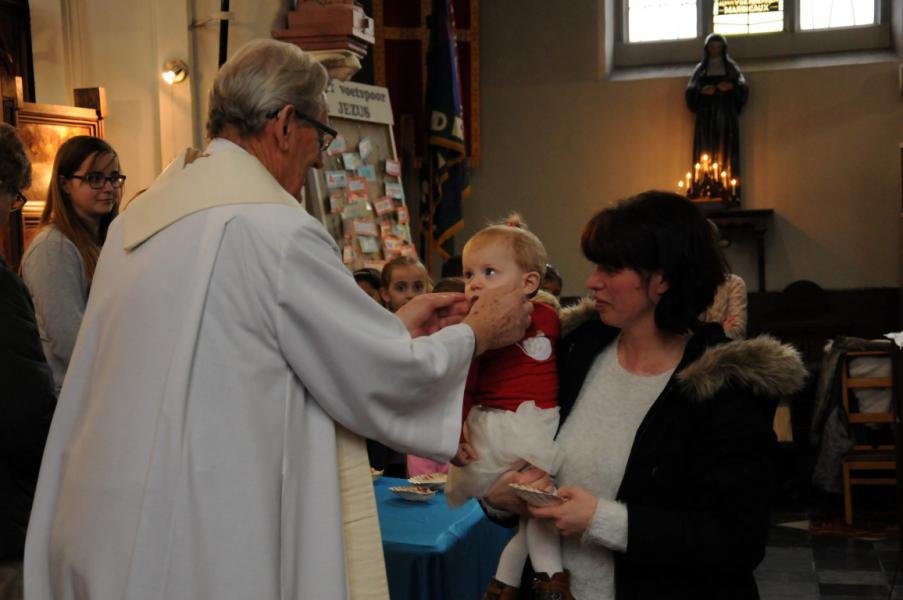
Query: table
[435,553]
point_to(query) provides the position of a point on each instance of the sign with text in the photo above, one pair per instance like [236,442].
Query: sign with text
[747,7]
[358,101]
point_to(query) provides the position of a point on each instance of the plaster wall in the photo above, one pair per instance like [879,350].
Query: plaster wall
[820,146]
[560,140]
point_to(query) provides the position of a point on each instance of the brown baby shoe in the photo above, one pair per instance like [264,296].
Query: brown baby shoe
[556,587]
[500,591]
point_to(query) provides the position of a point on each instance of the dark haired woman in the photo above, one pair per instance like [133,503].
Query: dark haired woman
[717,92]
[666,423]
[83,198]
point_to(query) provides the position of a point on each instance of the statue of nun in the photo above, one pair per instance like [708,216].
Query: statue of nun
[717,92]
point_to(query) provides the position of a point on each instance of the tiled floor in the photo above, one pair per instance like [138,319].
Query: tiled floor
[798,566]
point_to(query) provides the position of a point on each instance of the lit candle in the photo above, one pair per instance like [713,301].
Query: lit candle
[696,172]
[680,184]
[715,168]
[733,187]
[723,177]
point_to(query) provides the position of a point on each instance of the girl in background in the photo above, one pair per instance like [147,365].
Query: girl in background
[403,278]
[83,198]
[417,465]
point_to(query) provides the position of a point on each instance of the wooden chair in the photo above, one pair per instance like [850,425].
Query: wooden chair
[865,457]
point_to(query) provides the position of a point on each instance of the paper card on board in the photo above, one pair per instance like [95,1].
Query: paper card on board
[365,148]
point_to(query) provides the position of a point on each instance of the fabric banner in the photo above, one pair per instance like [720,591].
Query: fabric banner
[449,183]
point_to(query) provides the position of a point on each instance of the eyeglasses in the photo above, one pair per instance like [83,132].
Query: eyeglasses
[325,133]
[97,180]
[18,202]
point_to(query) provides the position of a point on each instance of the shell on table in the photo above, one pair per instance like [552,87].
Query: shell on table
[415,493]
[435,481]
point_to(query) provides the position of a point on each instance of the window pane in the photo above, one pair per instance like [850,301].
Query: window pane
[824,14]
[651,20]
[742,17]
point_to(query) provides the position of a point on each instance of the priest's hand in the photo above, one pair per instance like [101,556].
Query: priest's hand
[428,313]
[725,86]
[708,90]
[499,318]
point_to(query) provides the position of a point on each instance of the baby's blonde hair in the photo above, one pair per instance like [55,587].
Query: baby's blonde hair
[529,253]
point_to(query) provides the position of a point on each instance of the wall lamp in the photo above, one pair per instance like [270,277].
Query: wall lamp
[174,71]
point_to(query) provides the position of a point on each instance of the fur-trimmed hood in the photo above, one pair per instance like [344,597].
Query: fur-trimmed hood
[762,364]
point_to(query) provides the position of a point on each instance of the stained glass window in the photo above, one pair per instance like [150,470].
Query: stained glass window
[742,17]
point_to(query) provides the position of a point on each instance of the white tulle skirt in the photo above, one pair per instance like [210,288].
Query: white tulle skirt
[504,440]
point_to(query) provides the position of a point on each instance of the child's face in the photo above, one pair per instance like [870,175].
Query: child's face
[492,264]
[407,282]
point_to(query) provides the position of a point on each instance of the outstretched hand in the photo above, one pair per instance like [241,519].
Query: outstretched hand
[428,313]
[574,515]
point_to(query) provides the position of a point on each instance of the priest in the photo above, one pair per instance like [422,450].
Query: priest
[202,443]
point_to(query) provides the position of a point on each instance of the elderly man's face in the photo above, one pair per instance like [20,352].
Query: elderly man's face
[304,153]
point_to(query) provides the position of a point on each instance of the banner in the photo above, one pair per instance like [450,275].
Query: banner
[449,183]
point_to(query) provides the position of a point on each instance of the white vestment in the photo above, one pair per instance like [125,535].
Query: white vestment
[193,450]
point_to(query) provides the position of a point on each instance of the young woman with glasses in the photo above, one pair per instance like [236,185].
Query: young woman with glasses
[83,198]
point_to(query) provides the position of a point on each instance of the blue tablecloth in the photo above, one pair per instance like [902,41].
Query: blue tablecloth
[433,553]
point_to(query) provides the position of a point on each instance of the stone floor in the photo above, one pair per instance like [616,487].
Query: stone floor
[798,566]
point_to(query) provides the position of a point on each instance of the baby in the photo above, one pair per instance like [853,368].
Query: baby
[511,400]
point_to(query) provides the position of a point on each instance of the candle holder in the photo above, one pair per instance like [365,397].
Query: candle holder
[706,184]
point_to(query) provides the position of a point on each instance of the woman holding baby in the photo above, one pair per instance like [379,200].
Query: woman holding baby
[666,423]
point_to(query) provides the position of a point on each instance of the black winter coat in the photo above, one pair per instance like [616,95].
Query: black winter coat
[27,401]
[698,480]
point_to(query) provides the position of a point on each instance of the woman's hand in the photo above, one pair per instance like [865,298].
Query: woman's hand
[574,515]
[725,86]
[708,90]
[502,497]
[428,313]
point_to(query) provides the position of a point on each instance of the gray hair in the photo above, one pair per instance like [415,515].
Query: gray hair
[15,168]
[263,76]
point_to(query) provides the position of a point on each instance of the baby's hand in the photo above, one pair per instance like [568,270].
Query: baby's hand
[465,455]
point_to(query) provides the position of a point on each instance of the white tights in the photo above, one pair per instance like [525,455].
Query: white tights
[539,539]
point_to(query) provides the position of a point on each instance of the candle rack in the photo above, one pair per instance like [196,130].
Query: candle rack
[708,183]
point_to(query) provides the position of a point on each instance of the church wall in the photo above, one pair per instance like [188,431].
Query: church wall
[121,45]
[820,145]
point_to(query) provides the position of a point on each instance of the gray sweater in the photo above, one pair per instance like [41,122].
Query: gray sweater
[596,440]
[55,275]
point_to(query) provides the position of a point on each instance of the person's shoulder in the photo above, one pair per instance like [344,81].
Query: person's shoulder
[735,282]
[50,240]
[11,285]
[280,225]
[762,366]
[545,318]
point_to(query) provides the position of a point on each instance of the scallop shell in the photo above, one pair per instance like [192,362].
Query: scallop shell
[534,496]
[414,493]
[433,481]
